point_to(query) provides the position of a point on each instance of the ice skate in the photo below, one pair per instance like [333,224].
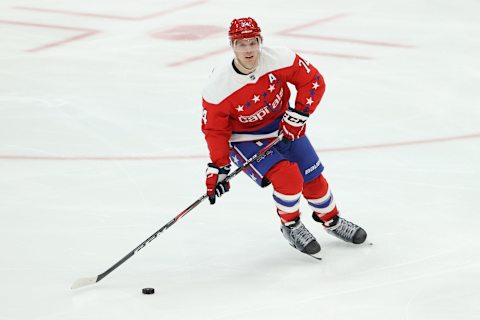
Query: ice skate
[344,229]
[300,238]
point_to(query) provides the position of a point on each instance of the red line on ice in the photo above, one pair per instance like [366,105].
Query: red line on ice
[402,143]
[312,23]
[109,16]
[189,157]
[84,33]
[198,57]
[336,55]
[350,40]
[290,33]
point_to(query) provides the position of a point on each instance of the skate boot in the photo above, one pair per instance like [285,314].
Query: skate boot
[344,229]
[300,238]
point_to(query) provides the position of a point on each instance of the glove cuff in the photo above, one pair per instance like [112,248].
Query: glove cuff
[295,118]
[221,171]
[212,169]
[225,169]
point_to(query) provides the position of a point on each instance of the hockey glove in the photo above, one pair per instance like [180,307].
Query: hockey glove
[293,124]
[214,181]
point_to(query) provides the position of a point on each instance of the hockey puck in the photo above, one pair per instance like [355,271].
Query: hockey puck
[148,291]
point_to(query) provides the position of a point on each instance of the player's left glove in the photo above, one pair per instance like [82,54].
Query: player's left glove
[293,124]
[216,186]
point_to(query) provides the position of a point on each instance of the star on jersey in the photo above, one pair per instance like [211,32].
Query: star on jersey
[309,101]
[271,88]
[256,98]
[235,159]
[315,85]
[239,108]
[253,177]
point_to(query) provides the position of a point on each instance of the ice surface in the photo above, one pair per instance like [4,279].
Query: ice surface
[100,146]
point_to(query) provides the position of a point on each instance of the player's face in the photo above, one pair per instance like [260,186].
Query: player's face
[247,51]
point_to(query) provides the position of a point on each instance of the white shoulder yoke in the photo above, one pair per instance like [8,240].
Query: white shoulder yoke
[275,58]
[224,81]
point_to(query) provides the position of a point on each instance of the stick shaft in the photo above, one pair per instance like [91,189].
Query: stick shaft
[259,154]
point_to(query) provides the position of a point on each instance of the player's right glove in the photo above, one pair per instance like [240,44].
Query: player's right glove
[293,124]
[216,186]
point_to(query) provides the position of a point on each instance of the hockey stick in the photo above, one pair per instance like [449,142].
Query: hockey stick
[91,280]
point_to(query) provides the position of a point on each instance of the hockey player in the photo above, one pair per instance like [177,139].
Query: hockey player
[245,106]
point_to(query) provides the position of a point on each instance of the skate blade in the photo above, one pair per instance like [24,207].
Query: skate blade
[315,256]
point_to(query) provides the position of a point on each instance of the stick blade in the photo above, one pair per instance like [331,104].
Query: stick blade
[82,282]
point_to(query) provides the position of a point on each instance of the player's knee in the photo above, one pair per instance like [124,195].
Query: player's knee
[315,188]
[286,177]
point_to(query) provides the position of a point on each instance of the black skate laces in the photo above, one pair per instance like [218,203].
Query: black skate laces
[344,228]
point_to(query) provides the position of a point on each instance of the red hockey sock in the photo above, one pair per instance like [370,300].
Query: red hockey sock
[288,217]
[287,184]
[320,199]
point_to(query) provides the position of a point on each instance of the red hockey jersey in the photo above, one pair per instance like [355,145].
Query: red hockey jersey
[239,107]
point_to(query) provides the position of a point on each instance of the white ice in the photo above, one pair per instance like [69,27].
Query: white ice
[100,146]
